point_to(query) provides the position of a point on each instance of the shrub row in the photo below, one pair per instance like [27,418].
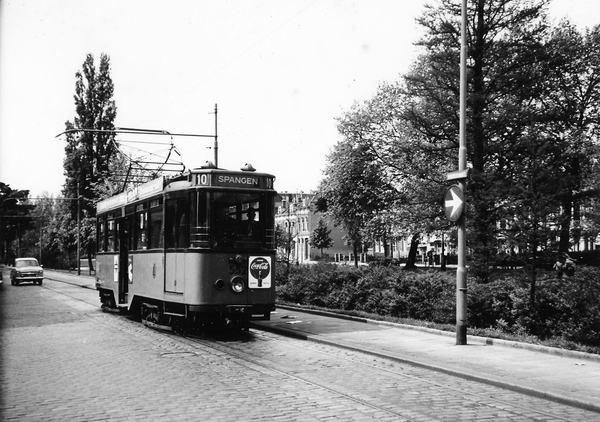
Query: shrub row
[567,309]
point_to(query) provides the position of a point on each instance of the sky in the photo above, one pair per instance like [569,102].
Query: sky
[279,71]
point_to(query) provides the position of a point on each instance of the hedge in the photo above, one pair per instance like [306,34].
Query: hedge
[567,309]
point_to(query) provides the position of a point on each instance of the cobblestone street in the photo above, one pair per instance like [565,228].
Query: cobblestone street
[64,359]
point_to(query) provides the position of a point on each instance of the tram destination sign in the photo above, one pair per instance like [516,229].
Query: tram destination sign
[234,180]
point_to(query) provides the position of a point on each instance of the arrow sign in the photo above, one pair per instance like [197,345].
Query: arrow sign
[454,203]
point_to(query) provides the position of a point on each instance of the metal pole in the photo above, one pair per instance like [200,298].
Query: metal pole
[461,271]
[78,233]
[216,140]
[41,222]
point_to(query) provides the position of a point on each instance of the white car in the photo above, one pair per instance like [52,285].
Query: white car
[26,269]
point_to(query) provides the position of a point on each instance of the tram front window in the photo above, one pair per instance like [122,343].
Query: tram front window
[240,219]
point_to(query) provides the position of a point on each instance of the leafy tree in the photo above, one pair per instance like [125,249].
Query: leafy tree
[46,216]
[553,162]
[15,220]
[91,148]
[320,238]
[353,190]
[504,44]
[412,169]
[532,124]
[572,81]
[284,244]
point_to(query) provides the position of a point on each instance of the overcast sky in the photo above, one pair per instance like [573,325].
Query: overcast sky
[280,71]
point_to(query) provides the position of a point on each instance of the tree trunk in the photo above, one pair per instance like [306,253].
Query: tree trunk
[90,251]
[355,249]
[412,253]
[565,228]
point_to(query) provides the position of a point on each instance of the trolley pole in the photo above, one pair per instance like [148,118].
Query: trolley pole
[216,147]
[461,271]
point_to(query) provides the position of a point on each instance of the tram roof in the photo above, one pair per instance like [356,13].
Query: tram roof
[201,177]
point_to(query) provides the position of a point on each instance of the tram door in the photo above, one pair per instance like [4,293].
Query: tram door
[123,259]
[176,222]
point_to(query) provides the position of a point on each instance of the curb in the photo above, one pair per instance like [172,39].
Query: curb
[489,341]
[70,282]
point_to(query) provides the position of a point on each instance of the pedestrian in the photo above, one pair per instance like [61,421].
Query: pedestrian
[430,257]
[513,259]
[559,268]
[569,266]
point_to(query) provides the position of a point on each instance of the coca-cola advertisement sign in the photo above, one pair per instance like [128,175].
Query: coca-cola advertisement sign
[259,268]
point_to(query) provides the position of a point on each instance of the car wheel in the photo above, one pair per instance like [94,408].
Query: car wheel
[40,282]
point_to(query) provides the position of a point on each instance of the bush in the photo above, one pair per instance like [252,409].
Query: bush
[569,308]
[385,291]
[495,301]
[565,311]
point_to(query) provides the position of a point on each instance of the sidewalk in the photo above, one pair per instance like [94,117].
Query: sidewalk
[83,280]
[565,376]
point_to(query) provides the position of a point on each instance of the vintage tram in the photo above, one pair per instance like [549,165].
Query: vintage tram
[195,250]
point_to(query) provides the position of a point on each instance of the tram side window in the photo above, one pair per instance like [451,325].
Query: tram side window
[176,223]
[141,228]
[101,234]
[199,228]
[112,242]
[156,219]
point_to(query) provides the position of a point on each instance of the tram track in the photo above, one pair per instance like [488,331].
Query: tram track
[469,398]
[223,348]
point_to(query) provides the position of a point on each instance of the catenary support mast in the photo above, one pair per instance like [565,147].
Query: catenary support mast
[461,271]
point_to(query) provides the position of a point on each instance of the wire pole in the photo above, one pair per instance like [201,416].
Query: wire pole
[78,232]
[461,271]
[216,147]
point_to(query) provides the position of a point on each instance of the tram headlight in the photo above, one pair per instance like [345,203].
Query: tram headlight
[237,284]
[219,284]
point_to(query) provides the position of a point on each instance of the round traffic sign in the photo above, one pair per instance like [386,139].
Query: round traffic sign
[454,203]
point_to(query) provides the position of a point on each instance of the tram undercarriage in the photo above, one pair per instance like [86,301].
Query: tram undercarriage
[184,318]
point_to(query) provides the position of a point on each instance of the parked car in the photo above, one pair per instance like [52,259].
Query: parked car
[26,269]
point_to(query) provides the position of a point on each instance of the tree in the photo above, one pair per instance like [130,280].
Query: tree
[572,76]
[353,190]
[48,230]
[320,238]
[284,244]
[15,220]
[410,170]
[532,108]
[90,144]
[505,42]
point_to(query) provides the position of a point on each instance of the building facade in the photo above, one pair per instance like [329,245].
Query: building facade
[296,216]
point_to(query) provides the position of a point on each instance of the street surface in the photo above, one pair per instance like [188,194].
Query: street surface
[63,359]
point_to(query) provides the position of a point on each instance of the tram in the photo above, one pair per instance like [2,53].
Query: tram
[194,250]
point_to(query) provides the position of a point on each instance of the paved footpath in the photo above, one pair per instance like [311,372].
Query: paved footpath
[565,376]
[568,377]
